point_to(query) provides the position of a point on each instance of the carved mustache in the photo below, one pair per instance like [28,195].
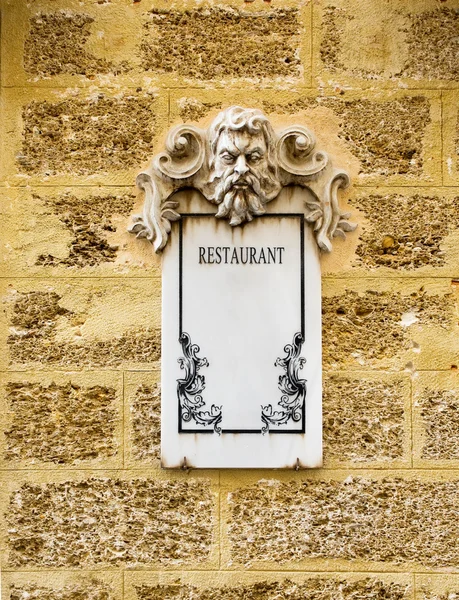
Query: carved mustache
[233,178]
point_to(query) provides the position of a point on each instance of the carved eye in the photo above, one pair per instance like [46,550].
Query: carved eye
[227,158]
[254,158]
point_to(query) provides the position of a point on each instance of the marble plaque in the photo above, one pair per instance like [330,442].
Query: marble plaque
[241,325]
[241,340]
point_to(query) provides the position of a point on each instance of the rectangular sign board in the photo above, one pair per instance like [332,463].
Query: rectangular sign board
[241,346]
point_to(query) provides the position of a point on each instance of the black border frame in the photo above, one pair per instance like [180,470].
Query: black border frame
[299,216]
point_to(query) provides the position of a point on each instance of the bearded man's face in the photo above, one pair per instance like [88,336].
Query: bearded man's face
[241,171]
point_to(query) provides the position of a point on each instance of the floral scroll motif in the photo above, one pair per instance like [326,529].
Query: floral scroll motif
[190,388]
[292,387]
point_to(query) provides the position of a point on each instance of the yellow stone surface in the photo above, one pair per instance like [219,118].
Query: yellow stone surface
[89,89]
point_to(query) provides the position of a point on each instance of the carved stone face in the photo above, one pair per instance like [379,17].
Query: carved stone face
[242,151]
[241,172]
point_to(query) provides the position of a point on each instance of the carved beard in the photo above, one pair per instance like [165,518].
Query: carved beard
[241,204]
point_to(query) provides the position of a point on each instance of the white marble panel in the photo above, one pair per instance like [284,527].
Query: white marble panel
[249,298]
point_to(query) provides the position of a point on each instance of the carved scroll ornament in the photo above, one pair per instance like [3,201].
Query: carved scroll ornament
[240,164]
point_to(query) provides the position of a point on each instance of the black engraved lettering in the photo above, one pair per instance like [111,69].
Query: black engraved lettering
[244,260]
[234,257]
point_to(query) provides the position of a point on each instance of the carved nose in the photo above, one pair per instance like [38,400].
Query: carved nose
[241,165]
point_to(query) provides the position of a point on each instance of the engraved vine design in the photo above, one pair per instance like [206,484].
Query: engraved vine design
[190,388]
[292,387]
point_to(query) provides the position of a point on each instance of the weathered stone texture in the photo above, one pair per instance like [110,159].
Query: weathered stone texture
[290,108]
[363,419]
[440,416]
[137,345]
[55,45]
[88,219]
[457,134]
[433,45]
[333,19]
[367,326]
[146,422]
[434,596]
[85,137]
[429,39]
[311,589]
[108,125]
[391,520]
[405,232]
[191,109]
[62,424]
[387,137]
[92,590]
[33,338]
[220,42]
[110,521]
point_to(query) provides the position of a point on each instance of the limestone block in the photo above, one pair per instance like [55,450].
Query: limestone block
[366,420]
[451,138]
[110,519]
[387,138]
[437,587]
[228,42]
[125,42]
[50,585]
[405,43]
[89,137]
[436,417]
[393,136]
[389,324]
[341,521]
[53,420]
[81,324]
[82,43]
[240,585]
[70,231]
[142,419]
[402,232]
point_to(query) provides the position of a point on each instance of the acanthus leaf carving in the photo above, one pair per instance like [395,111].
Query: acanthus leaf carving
[240,164]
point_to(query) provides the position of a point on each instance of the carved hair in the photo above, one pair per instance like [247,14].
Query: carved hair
[251,120]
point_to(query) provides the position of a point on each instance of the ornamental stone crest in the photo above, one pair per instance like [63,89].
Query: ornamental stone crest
[240,163]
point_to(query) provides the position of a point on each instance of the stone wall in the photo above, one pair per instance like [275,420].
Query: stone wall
[89,89]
